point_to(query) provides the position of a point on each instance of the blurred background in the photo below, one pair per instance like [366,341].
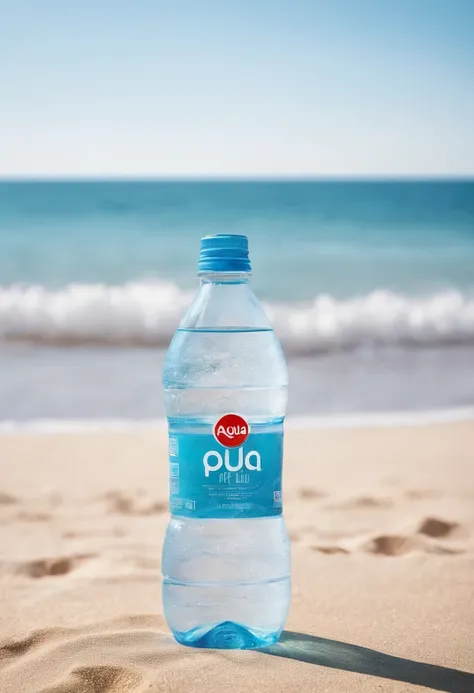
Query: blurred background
[338,135]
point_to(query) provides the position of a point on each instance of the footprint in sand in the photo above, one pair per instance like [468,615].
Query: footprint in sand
[6,499]
[53,567]
[89,659]
[399,544]
[20,647]
[436,528]
[311,493]
[98,679]
[391,545]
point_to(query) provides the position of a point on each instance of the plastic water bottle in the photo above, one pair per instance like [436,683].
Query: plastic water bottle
[226,554]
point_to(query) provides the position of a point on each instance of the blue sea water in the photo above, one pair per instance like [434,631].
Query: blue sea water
[370,286]
[340,238]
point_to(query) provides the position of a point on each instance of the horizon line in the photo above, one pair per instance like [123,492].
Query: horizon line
[338,178]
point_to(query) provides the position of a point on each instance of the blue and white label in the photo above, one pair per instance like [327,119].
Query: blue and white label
[210,480]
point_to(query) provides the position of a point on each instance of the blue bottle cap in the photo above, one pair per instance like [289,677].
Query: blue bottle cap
[224,253]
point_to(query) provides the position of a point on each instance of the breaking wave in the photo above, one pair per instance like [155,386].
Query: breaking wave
[147,313]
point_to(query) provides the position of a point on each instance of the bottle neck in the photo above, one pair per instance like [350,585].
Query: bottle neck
[225,300]
[224,278]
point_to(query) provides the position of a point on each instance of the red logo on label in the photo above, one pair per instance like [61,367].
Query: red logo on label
[231,430]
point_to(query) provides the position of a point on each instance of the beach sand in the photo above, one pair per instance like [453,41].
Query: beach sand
[382,529]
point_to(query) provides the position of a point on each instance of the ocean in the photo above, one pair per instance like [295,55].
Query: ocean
[370,286]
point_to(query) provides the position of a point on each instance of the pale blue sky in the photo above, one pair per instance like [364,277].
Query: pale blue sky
[236,87]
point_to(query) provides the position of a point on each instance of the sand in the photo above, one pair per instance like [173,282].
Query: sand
[382,529]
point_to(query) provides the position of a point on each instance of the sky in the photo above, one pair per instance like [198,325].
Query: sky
[236,88]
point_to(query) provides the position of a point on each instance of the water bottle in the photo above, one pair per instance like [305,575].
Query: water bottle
[226,554]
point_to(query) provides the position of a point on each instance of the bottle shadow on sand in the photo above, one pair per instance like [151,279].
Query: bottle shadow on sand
[362,660]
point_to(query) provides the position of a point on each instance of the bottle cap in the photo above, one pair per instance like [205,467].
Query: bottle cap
[224,253]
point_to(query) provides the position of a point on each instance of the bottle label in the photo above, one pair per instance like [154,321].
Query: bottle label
[229,472]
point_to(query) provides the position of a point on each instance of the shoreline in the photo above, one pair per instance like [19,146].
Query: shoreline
[312,422]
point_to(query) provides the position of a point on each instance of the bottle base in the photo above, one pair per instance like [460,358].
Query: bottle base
[225,636]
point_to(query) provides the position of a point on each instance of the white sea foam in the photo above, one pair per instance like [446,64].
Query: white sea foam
[147,313]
